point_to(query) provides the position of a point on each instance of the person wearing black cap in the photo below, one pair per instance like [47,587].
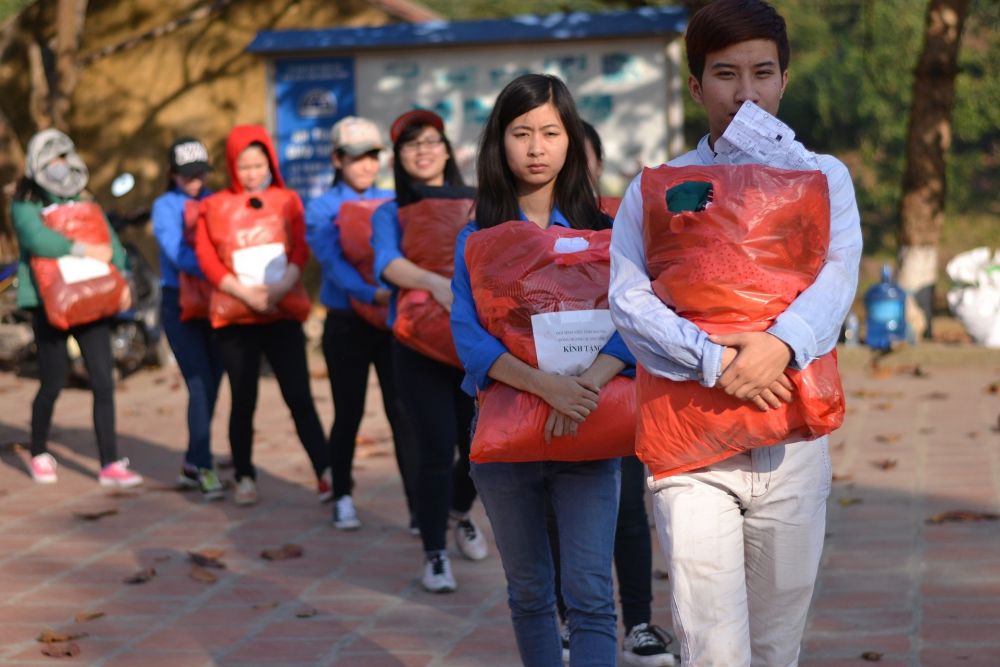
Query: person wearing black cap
[192,342]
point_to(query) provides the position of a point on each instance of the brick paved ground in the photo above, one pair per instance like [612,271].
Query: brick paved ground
[918,594]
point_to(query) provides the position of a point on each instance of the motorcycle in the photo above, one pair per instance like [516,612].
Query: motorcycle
[136,334]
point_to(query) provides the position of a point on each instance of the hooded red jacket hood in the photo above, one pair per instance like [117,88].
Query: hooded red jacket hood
[237,142]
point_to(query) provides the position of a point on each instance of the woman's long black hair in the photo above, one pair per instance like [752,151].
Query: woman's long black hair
[496,199]
[404,182]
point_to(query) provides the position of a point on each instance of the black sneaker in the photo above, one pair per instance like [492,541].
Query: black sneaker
[646,646]
[188,479]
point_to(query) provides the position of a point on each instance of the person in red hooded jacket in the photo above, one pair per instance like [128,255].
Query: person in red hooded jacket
[250,244]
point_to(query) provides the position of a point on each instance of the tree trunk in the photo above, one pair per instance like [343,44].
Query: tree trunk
[70,15]
[921,208]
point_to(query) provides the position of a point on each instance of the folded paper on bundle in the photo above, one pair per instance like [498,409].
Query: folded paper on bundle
[261,264]
[567,342]
[78,269]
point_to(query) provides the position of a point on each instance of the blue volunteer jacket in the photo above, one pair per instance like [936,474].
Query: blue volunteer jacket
[168,227]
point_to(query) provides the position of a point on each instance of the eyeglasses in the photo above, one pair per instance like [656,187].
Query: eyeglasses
[416,146]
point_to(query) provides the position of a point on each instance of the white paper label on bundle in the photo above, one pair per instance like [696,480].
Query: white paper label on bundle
[570,244]
[260,264]
[77,269]
[568,342]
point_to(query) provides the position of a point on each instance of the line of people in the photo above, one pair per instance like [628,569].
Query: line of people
[526,351]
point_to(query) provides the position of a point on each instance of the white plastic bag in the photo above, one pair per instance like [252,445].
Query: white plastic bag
[975,300]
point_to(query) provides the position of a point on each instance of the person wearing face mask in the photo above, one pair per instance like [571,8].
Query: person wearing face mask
[250,244]
[355,333]
[190,338]
[53,183]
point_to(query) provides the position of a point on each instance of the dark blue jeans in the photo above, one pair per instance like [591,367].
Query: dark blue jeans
[584,497]
[200,362]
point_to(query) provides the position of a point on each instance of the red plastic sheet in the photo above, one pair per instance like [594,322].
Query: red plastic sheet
[355,222]
[733,267]
[195,293]
[430,227]
[72,304]
[610,205]
[233,223]
[515,272]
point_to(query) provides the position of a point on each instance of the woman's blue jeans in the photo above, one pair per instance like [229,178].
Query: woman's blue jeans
[584,497]
[200,362]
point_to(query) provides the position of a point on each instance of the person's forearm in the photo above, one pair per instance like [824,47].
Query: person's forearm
[231,285]
[604,368]
[404,273]
[512,371]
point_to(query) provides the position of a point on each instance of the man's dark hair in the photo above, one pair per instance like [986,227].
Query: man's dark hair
[727,22]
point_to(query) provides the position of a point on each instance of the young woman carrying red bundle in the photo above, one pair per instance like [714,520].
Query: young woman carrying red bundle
[251,246]
[532,168]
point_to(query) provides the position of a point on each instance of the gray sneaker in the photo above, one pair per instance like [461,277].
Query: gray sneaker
[246,492]
[345,517]
[646,646]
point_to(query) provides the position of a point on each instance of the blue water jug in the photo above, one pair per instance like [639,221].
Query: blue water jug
[885,313]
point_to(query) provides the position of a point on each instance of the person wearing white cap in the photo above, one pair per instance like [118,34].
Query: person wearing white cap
[352,344]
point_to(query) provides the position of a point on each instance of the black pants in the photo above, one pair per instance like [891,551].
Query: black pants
[351,345]
[284,345]
[53,365]
[633,548]
[441,415]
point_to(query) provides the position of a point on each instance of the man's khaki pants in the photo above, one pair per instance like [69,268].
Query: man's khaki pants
[743,539]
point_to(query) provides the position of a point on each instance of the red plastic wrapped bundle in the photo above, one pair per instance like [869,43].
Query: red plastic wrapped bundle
[195,293]
[235,222]
[516,271]
[429,229]
[70,304]
[355,222]
[610,205]
[733,267]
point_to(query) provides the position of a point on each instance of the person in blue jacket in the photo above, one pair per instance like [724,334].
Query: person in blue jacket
[441,414]
[350,343]
[532,167]
[191,341]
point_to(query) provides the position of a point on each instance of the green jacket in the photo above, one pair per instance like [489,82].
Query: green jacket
[37,240]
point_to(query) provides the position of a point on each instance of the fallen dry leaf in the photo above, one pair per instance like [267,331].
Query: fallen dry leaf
[162,559]
[85,616]
[50,636]
[886,438]
[266,605]
[841,478]
[972,435]
[885,464]
[12,447]
[140,577]
[70,650]
[198,573]
[847,502]
[839,446]
[207,558]
[285,552]
[662,575]
[319,374]
[871,656]
[95,515]
[962,516]
[937,396]
[883,407]
[993,388]
[364,440]
[927,430]
[123,493]
[308,612]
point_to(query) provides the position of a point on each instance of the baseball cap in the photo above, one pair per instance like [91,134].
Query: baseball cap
[415,117]
[356,136]
[189,157]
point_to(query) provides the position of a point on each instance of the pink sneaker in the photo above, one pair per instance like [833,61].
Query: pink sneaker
[43,468]
[117,474]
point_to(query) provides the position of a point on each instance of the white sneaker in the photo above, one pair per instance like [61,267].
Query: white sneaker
[43,468]
[437,575]
[564,640]
[345,517]
[469,540]
[246,492]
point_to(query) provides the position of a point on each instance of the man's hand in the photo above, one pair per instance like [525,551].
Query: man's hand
[440,289]
[753,367]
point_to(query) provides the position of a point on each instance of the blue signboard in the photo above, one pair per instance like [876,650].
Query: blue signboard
[310,95]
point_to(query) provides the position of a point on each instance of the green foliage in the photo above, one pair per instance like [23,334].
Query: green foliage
[9,7]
